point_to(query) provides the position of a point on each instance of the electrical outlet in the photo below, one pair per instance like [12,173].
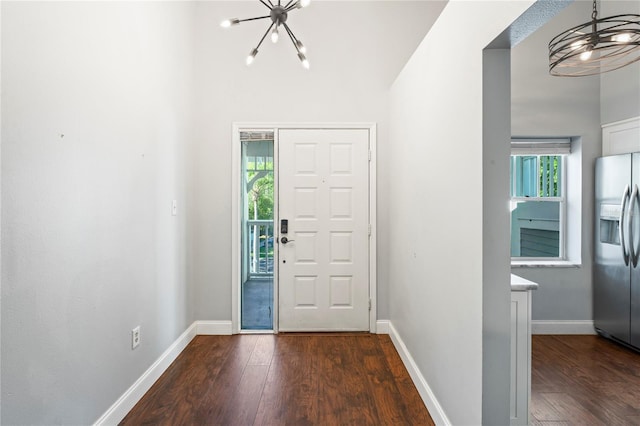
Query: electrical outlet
[135,337]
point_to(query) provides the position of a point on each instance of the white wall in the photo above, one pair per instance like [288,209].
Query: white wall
[96,101]
[496,304]
[436,198]
[355,49]
[544,105]
[145,94]
[620,89]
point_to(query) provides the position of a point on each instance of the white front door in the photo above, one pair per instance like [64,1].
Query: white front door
[323,193]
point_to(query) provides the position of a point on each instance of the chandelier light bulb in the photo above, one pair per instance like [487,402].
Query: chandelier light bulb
[622,38]
[303,3]
[229,22]
[586,55]
[577,44]
[274,35]
[303,60]
[301,47]
[252,56]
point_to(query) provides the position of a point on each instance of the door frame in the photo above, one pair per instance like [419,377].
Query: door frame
[236,223]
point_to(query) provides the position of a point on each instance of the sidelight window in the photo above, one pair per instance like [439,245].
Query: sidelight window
[257,230]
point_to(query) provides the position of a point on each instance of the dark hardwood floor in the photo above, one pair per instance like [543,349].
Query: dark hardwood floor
[289,379]
[583,380]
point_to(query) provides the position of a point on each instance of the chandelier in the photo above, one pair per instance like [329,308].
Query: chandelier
[278,15]
[596,47]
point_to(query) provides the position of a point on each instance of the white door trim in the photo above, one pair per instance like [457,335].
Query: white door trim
[235,211]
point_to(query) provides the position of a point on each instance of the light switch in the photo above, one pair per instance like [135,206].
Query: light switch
[174,208]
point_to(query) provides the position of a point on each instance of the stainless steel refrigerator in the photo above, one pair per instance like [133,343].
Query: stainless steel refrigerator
[616,277]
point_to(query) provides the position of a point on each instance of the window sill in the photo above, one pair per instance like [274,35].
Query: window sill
[544,264]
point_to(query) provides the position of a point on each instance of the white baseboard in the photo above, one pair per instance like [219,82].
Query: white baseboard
[214,328]
[562,327]
[125,403]
[435,409]
[130,398]
[382,326]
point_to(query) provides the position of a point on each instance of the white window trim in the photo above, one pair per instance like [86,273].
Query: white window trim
[562,147]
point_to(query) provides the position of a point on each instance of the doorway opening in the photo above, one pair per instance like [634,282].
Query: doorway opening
[258,222]
[257,231]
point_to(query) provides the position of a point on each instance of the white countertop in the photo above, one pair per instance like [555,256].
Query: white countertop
[522,284]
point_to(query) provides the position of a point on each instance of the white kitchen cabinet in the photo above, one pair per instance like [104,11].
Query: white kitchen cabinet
[520,393]
[621,137]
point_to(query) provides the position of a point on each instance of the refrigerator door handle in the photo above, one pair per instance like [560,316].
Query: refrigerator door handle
[632,251]
[623,208]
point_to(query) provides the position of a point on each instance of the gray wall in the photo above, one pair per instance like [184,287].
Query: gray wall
[354,56]
[145,94]
[437,208]
[543,105]
[96,106]
[496,303]
[620,89]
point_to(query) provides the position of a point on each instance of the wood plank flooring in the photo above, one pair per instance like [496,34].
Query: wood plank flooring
[583,380]
[288,379]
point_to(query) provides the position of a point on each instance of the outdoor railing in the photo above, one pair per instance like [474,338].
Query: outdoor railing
[260,247]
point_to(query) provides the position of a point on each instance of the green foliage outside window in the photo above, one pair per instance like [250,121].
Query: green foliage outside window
[536,176]
[549,173]
[261,196]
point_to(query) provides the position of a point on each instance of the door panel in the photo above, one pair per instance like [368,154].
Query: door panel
[323,193]
[611,278]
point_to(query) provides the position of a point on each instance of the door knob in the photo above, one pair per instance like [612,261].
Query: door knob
[285,240]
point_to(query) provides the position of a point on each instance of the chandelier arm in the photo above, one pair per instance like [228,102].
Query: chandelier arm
[254,19]
[294,4]
[289,4]
[272,5]
[265,3]
[291,36]
[265,35]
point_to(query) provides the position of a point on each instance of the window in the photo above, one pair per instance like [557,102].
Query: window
[257,183]
[538,199]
